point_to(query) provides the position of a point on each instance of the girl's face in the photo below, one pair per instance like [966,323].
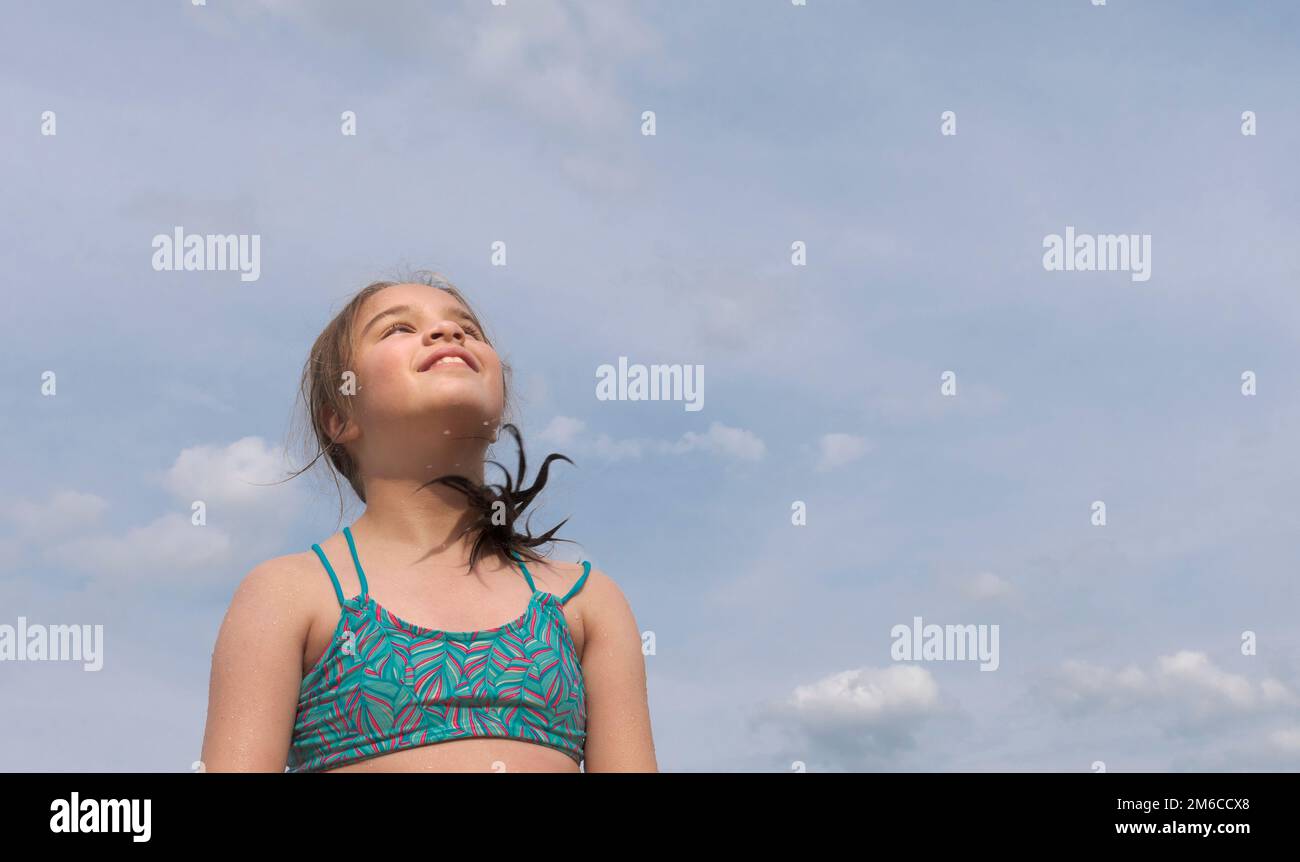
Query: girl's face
[399,331]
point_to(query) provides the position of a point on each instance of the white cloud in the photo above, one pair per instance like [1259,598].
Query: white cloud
[985,586]
[168,550]
[64,513]
[236,475]
[855,716]
[1082,684]
[561,430]
[1186,680]
[835,450]
[866,697]
[722,440]
[1192,672]
[609,449]
[1286,739]
[561,63]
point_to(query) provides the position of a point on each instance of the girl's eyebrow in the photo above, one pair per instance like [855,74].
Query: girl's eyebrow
[409,309]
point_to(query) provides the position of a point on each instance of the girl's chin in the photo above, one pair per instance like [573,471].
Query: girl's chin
[460,413]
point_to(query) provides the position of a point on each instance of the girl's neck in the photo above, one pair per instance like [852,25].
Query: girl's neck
[429,521]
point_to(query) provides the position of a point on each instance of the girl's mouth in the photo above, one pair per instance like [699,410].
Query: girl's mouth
[447,361]
[449,357]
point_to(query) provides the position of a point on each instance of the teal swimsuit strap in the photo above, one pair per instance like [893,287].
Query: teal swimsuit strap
[586,570]
[361,574]
[334,579]
[527,575]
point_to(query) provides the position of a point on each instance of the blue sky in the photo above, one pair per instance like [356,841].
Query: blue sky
[775,124]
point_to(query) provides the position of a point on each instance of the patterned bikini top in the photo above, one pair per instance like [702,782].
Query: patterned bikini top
[384,684]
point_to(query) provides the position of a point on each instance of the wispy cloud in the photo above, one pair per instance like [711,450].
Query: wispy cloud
[222,491]
[1186,679]
[719,440]
[836,450]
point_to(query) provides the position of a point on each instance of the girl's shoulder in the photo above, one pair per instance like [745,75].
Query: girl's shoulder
[280,574]
[273,594]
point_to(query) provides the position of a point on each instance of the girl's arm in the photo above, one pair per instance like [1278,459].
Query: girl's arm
[256,674]
[613,670]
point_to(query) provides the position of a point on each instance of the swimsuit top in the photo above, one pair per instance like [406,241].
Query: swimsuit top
[384,684]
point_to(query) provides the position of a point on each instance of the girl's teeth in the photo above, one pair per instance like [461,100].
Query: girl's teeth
[444,360]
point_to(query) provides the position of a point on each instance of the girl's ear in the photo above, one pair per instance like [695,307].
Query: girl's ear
[339,430]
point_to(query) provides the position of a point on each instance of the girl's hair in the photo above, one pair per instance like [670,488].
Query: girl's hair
[498,506]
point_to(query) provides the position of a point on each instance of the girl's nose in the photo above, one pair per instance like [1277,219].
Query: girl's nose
[447,328]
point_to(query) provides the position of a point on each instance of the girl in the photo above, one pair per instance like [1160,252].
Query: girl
[382,648]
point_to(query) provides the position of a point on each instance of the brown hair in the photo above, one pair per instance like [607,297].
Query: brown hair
[498,505]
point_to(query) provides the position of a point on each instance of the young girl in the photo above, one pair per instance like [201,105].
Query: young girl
[383,648]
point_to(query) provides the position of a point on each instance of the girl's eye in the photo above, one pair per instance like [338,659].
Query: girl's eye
[392,328]
[472,330]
